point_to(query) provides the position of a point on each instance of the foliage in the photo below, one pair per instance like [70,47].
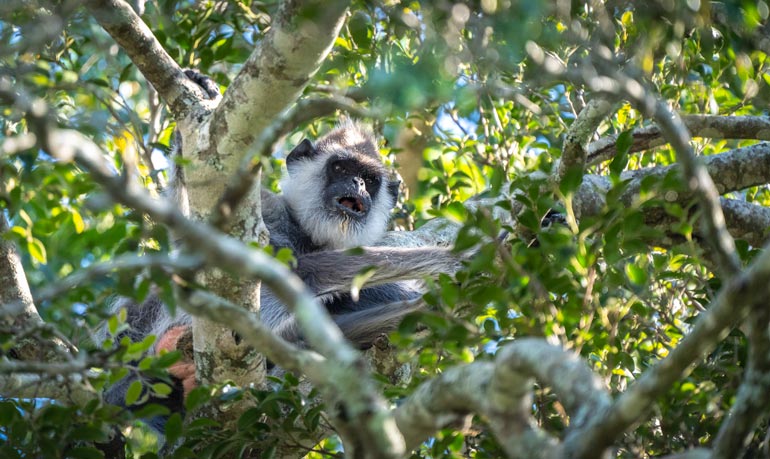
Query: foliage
[601,286]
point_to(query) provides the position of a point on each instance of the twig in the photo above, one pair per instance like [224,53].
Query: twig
[121,263]
[579,134]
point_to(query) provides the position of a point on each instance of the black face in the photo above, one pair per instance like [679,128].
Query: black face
[351,185]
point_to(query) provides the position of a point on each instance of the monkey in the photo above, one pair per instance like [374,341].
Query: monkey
[336,195]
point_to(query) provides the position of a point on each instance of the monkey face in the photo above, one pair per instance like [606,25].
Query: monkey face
[351,186]
[338,190]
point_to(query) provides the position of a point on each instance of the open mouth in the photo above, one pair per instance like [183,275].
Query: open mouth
[351,204]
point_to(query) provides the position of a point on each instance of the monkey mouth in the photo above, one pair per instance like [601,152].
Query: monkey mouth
[352,205]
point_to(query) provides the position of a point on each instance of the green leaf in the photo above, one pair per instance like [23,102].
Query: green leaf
[249,418]
[77,221]
[173,428]
[161,389]
[196,398]
[88,433]
[359,280]
[9,413]
[142,346]
[455,211]
[636,274]
[572,179]
[133,393]
[36,250]
[622,146]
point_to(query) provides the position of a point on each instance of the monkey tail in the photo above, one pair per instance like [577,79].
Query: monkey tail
[364,326]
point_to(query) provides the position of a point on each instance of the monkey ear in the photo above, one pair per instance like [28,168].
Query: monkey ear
[393,189]
[305,150]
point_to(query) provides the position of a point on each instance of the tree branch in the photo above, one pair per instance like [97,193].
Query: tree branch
[18,308]
[695,453]
[614,82]
[747,221]
[581,392]
[732,170]
[509,404]
[120,263]
[579,134]
[502,392]
[64,389]
[137,40]
[706,126]
[442,401]
[248,326]
[15,289]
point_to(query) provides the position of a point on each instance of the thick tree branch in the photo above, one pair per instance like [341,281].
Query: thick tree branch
[137,40]
[442,401]
[517,366]
[706,126]
[15,289]
[502,392]
[579,389]
[732,170]
[18,308]
[747,221]
[71,388]
[252,330]
[300,36]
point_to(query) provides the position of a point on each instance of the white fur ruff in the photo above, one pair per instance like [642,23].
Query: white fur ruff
[328,227]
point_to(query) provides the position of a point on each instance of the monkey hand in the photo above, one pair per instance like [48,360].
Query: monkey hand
[209,86]
[180,338]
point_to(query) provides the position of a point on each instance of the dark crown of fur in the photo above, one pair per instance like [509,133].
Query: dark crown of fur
[352,138]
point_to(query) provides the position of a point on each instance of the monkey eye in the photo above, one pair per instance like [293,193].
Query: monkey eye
[337,167]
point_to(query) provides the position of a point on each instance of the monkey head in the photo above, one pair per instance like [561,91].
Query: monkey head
[338,189]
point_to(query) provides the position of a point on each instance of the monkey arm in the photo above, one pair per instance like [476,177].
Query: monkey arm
[334,270]
[179,338]
[378,310]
